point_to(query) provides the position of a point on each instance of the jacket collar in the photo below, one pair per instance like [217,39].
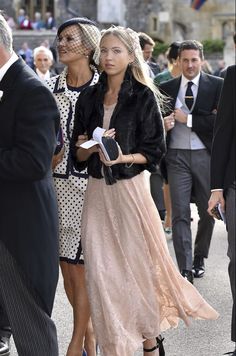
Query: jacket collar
[126,86]
[8,81]
[61,85]
[7,65]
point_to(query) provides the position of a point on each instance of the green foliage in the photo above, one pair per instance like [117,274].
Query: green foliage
[210,46]
[213,46]
[160,48]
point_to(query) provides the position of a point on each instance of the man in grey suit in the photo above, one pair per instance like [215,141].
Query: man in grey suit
[29,121]
[189,124]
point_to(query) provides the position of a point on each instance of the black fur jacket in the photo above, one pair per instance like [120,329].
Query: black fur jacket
[136,119]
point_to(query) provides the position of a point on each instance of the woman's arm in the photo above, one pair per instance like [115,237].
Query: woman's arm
[83,154]
[150,131]
[129,159]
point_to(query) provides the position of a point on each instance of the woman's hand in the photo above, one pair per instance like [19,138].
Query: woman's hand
[169,121]
[111,133]
[81,139]
[120,158]
[57,159]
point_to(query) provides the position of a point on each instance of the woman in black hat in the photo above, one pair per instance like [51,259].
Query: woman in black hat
[76,40]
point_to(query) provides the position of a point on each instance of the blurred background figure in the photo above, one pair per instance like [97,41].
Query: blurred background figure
[173,70]
[206,67]
[26,53]
[11,23]
[220,66]
[57,67]
[26,24]
[20,17]
[50,23]
[223,72]
[43,61]
[38,23]
[147,45]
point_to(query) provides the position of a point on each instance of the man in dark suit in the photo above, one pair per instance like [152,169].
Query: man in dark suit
[189,124]
[29,121]
[223,175]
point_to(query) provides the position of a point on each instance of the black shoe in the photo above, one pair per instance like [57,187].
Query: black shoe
[4,346]
[198,267]
[159,346]
[187,275]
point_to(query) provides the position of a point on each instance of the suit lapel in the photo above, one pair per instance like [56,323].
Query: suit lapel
[8,80]
[203,91]
[173,91]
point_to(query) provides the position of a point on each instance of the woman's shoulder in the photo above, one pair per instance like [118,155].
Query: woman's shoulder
[142,90]
[50,83]
[88,91]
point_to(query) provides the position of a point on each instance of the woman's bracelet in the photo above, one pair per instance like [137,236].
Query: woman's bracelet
[128,165]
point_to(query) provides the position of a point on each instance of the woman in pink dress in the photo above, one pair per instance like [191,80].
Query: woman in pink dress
[135,290]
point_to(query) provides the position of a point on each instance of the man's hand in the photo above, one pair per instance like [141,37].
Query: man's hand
[180,116]
[216,198]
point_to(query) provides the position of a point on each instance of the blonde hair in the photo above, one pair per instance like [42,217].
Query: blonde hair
[138,67]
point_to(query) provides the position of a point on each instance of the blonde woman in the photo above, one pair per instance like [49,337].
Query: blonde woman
[135,290]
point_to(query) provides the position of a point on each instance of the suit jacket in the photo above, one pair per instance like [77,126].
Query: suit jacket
[29,121]
[203,114]
[224,147]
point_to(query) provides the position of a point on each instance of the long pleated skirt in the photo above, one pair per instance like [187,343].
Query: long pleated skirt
[135,289]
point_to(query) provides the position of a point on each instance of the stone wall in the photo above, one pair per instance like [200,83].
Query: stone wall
[6,5]
[33,38]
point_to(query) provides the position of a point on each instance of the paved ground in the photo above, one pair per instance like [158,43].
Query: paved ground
[202,338]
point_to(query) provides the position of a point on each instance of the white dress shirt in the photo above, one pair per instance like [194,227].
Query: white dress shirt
[7,65]
[43,76]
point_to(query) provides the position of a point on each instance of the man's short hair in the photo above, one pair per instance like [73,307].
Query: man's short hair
[145,39]
[191,44]
[43,49]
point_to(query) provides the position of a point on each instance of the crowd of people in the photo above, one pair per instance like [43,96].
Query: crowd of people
[95,217]
[38,22]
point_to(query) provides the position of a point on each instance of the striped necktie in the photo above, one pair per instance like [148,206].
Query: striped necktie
[189,96]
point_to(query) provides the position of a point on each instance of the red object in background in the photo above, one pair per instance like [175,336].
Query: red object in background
[196,4]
